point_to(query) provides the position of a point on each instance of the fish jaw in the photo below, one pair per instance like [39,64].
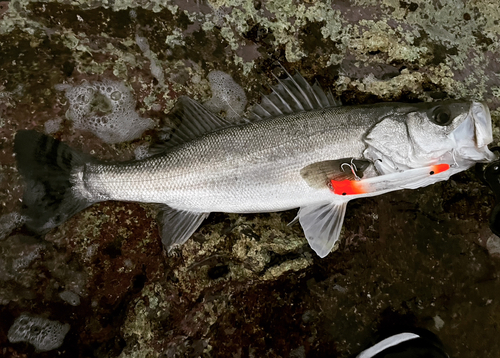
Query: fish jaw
[473,135]
[482,123]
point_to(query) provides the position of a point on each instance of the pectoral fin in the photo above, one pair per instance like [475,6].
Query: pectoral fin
[322,224]
[177,226]
[318,175]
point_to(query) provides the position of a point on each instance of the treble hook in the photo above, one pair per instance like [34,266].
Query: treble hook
[353,168]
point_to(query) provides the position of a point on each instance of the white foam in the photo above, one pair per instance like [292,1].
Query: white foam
[106,109]
[142,152]
[227,95]
[70,297]
[9,222]
[155,66]
[493,245]
[52,125]
[42,333]
[24,258]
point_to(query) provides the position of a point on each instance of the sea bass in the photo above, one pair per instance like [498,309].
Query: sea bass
[298,149]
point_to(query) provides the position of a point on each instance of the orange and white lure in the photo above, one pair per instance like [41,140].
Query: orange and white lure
[383,183]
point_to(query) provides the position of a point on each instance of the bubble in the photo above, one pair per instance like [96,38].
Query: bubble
[142,152]
[70,297]
[106,109]
[116,95]
[42,333]
[227,96]
[9,222]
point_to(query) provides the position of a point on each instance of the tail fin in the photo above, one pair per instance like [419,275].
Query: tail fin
[48,168]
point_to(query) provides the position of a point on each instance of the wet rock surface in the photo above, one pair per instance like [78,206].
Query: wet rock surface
[247,285]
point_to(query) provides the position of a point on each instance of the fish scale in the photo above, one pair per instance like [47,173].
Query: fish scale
[283,157]
[249,168]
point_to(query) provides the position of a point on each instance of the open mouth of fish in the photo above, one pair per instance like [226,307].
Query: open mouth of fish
[467,145]
[477,129]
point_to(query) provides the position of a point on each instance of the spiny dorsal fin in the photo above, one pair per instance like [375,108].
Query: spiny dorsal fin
[193,121]
[318,175]
[292,94]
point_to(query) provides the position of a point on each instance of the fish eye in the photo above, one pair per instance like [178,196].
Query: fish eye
[441,116]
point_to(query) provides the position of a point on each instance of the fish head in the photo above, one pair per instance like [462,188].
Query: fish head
[453,132]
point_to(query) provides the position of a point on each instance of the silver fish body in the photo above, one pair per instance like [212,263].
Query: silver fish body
[249,168]
[256,167]
[282,160]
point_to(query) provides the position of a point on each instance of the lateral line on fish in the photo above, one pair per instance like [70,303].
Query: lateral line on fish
[382,182]
[283,159]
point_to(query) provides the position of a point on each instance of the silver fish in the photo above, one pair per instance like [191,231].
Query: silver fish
[296,149]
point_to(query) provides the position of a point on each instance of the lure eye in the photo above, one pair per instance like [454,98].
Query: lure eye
[441,116]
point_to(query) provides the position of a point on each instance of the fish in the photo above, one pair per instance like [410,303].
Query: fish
[298,148]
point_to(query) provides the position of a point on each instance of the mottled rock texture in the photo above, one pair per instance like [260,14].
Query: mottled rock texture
[248,285]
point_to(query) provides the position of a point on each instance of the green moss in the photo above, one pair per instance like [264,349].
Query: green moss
[140,325]
[380,37]
[406,81]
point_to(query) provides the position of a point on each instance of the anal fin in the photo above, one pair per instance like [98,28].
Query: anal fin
[322,224]
[177,226]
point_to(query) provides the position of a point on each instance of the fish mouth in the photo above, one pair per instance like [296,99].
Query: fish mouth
[474,134]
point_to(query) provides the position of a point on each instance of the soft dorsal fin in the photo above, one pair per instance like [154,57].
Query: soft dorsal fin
[318,175]
[194,121]
[292,94]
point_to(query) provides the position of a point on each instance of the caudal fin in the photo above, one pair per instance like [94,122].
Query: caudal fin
[48,167]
